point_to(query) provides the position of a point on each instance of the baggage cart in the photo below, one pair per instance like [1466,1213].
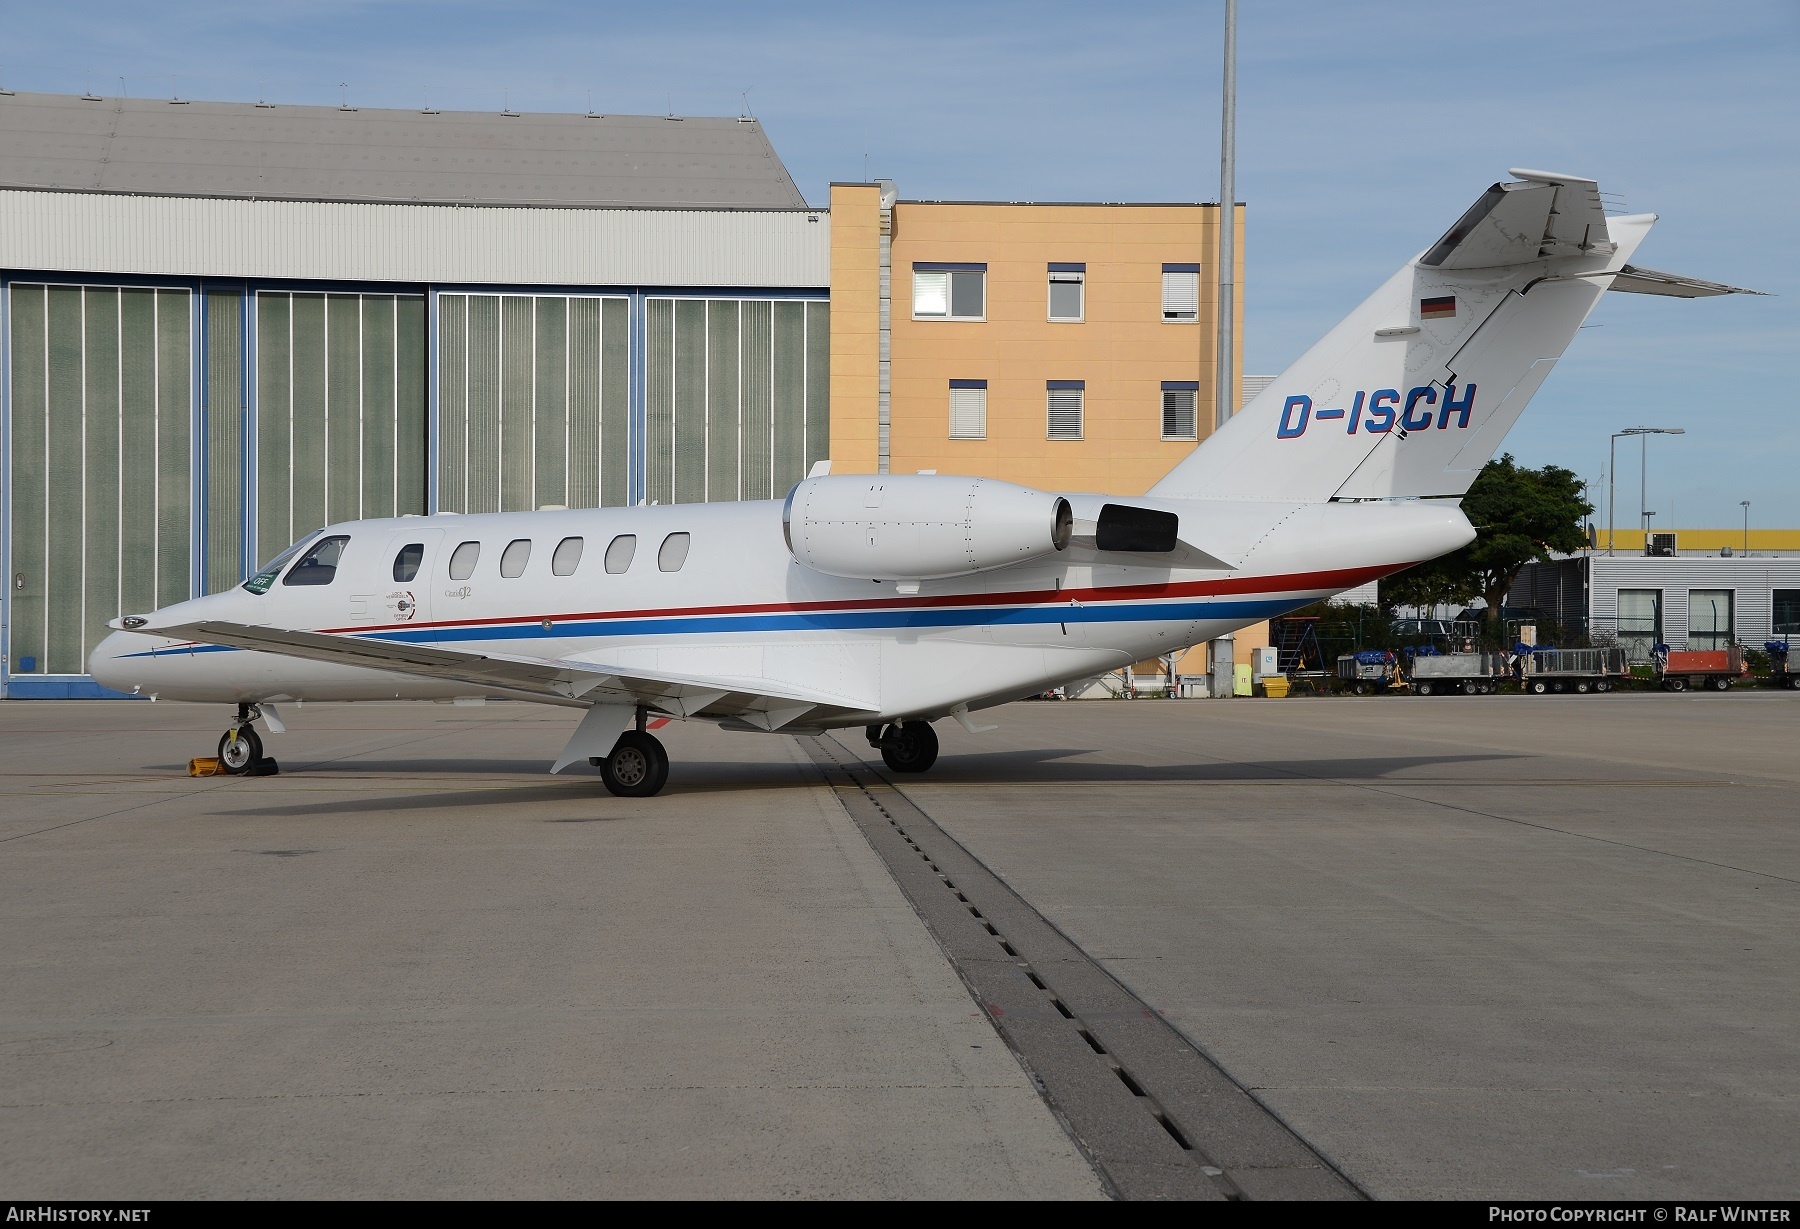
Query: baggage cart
[1446,673]
[1572,670]
[1681,669]
[1371,670]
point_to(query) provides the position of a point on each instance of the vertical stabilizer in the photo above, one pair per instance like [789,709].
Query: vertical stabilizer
[1414,391]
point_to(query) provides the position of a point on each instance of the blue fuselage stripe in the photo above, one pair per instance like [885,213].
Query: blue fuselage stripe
[835,621]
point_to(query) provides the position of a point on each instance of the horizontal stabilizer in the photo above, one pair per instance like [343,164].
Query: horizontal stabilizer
[1633,280]
[1544,216]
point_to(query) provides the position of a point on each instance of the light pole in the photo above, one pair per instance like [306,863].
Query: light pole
[1745,504]
[1612,455]
[1227,272]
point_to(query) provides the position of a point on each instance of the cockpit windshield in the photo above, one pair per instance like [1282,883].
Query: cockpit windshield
[265,575]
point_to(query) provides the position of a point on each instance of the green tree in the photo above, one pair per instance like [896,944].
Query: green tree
[1519,515]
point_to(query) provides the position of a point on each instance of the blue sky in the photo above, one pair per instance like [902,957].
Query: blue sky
[1364,130]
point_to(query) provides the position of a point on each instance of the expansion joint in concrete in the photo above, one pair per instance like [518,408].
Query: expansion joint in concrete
[1154,1116]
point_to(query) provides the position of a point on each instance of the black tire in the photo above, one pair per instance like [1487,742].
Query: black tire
[240,748]
[910,746]
[1721,683]
[1424,689]
[1471,688]
[1538,687]
[1558,686]
[1675,684]
[1361,689]
[1582,686]
[636,767]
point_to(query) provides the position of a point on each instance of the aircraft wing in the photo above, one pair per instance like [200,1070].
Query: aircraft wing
[757,703]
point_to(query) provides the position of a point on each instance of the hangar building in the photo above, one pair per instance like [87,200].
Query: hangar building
[224,325]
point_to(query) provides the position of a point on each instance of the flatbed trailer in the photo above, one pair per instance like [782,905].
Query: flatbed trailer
[1572,670]
[1445,673]
[1717,669]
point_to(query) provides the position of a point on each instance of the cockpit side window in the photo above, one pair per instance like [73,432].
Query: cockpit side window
[406,563]
[319,565]
[259,584]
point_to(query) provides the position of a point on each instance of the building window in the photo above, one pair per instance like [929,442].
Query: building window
[1787,612]
[1640,621]
[1709,619]
[1066,298]
[949,292]
[567,557]
[674,552]
[1180,409]
[968,409]
[1181,293]
[1065,398]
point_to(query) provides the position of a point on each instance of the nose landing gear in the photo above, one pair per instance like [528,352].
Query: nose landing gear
[241,749]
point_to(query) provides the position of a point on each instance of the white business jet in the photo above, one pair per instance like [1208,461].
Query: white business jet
[890,601]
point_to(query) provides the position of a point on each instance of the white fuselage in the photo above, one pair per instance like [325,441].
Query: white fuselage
[740,605]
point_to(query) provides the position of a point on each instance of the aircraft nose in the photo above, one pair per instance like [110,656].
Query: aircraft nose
[109,664]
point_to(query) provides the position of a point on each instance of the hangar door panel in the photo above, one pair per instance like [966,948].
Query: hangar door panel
[340,411]
[533,401]
[99,489]
[736,397]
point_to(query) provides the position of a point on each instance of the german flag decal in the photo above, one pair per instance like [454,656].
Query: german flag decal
[1437,309]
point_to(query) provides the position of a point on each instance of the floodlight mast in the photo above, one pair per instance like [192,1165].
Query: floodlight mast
[1612,478]
[1226,394]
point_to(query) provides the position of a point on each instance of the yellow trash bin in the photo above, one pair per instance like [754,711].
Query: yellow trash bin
[1275,688]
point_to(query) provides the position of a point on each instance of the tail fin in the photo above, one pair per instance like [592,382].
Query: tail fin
[1413,392]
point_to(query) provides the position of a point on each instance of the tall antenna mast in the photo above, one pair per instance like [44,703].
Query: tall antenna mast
[1227,386]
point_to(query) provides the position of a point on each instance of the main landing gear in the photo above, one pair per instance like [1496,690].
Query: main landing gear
[637,766]
[906,746]
[241,748]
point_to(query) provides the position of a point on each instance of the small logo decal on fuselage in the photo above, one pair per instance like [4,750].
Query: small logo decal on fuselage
[462,592]
[402,606]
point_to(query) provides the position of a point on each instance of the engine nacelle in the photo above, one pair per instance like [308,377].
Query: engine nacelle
[920,526]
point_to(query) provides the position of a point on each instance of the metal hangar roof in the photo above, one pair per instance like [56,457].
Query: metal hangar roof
[262,151]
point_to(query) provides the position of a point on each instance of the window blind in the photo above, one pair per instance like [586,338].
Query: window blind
[1181,295]
[968,410]
[1065,398]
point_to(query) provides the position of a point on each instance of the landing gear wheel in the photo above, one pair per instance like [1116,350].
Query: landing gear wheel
[1424,689]
[240,748]
[1722,683]
[636,767]
[910,746]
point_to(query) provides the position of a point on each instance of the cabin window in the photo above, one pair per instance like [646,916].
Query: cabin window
[319,565]
[619,553]
[463,560]
[567,557]
[406,563]
[514,558]
[673,553]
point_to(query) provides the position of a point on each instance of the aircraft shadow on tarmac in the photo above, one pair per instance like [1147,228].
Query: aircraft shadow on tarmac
[1032,767]
[1056,765]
